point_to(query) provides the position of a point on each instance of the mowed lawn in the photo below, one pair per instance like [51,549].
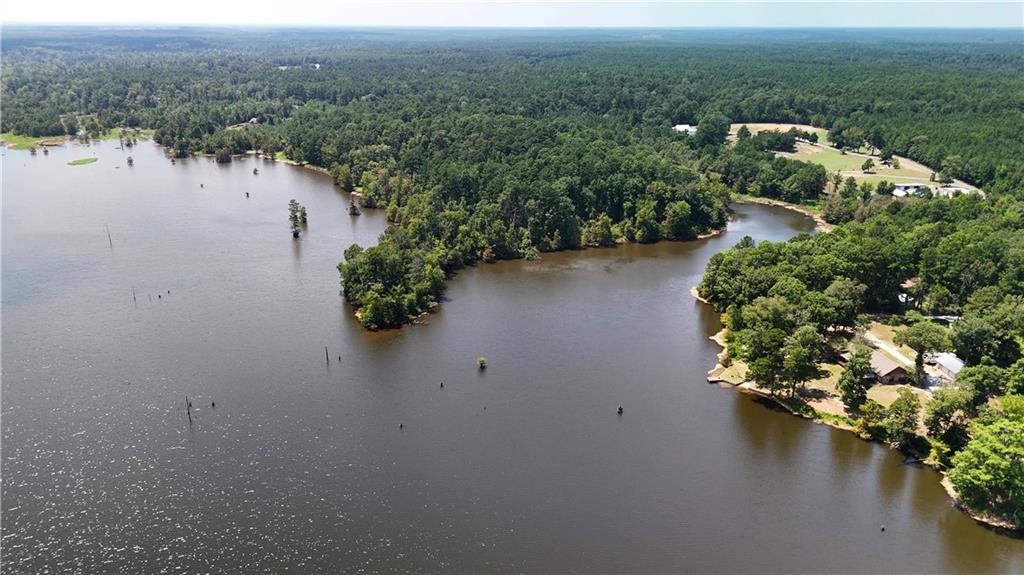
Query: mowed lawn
[764,127]
[832,159]
[18,142]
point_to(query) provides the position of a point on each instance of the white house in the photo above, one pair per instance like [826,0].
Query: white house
[685,128]
[904,190]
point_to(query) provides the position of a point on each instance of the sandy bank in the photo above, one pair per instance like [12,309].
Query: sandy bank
[820,224]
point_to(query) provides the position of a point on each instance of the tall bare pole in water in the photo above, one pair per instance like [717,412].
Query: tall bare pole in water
[108,237]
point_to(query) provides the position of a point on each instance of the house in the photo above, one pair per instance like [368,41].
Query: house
[887,370]
[948,364]
[904,190]
[950,191]
[254,120]
[906,287]
[685,128]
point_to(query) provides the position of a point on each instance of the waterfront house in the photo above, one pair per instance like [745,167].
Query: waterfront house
[887,370]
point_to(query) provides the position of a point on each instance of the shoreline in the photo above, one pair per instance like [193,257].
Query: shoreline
[820,224]
[990,522]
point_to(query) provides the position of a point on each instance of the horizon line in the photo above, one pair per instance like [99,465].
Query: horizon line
[59,24]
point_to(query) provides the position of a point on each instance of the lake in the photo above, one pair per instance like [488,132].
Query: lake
[364,463]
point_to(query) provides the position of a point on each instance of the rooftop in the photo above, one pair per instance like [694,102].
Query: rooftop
[882,364]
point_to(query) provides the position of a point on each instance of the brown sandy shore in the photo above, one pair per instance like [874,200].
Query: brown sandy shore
[749,387]
[820,224]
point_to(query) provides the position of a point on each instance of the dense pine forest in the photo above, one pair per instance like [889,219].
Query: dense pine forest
[491,146]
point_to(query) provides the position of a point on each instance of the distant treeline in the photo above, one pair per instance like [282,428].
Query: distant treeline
[497,147]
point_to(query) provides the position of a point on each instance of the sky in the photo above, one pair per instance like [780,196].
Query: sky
[528,13]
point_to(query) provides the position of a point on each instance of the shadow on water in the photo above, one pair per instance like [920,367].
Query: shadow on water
[892,478]
[763,423]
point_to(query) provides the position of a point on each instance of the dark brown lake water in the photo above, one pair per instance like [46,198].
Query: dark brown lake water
[302,467]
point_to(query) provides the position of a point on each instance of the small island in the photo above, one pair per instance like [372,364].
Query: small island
[82,161]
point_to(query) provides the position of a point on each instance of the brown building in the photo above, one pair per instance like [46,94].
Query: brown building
[887,370]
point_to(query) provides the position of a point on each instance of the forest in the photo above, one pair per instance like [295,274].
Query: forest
[483,148]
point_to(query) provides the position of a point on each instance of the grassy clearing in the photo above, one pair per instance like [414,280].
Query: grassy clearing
[886,394]
[764,127]
[829,380]
[116,133]
[833,419]
[17,142]
[735,373]
[886,334]
[82,161]
[832,159]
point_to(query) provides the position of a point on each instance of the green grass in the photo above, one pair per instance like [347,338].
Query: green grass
[735,373]
[82,161]
[17,142]
[115,133]
[835,161]
[111,134]
[832,159]
[279,156]
[835,419]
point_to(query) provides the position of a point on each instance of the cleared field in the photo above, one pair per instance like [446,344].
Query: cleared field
[18,142]
[763,127]
[833,160]
[886,334]
[886,394]
[850,164]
